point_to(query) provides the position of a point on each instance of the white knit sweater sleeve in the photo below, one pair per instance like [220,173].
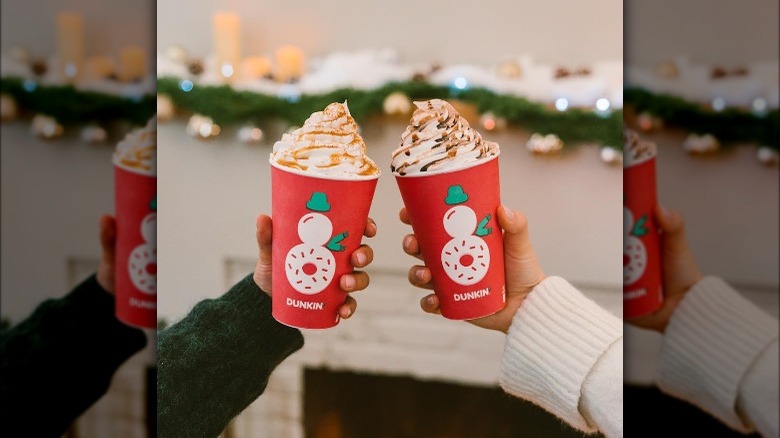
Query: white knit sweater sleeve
[720,353]
[565,353]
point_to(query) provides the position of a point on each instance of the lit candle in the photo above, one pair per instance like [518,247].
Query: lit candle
[289,63]
[70,44]
[99,67]
[227,43]
[255,67]
[132,64]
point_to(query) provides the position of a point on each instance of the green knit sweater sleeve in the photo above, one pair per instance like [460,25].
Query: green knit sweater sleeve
[216,361]
[56,363]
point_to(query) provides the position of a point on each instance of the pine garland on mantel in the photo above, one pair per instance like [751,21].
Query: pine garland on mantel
[72,106]
[226,106]
[731,125]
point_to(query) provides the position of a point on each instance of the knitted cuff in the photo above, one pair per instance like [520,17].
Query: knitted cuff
[713,337]
[555,339]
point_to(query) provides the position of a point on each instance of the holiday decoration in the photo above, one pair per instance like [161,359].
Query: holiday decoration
[202,127]
[20,54]
[177,54]
[94,134]
[489,121]
[46,127]
[250,134]
[648,123]
[509,70]
[8,109]
[165,110]
[701,144]
[397,103]
[544,144]
[611,155]
[667,70]
[727,125]
[767,155]
[195,67]
[226,106]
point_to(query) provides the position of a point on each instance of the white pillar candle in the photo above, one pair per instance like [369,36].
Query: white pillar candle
[99,67]
[70,44]
[227,43]
[132,64]
[289,63]
[255,67]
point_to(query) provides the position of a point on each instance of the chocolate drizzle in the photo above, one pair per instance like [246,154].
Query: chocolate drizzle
[436,139]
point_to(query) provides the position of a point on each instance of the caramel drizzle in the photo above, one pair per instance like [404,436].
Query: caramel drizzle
[333,128]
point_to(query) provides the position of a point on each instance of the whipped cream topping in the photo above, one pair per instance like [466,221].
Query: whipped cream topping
[328,144]
[438,139]
[636,150]
[138,150]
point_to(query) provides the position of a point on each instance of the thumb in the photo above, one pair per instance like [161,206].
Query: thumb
[673,229]
[264,269]
[108,237]
[517,242]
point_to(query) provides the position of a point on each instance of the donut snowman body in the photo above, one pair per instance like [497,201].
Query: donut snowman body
[465,258]
[142,263]
[634,252]
[310,266]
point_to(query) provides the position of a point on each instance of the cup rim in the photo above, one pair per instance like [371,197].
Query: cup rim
[131,170]
[329,178]
[472,165]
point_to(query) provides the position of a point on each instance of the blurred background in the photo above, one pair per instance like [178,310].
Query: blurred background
[560,59]
[57,176]
[724,184]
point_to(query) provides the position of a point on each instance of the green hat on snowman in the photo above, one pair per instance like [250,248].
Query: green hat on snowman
[456,195]
[318,202]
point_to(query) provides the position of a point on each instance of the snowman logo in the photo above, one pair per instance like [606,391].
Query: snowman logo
[309,266]
[465,257]
[634,253]
[142,263]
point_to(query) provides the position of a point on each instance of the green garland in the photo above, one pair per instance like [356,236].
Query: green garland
[730,125]
[226,106]
[71,106]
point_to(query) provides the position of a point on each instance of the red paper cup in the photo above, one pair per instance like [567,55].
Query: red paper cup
[317,224]
[642,280]
[453,215]
[136,247]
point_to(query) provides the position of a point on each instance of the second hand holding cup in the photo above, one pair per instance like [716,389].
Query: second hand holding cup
[449,181]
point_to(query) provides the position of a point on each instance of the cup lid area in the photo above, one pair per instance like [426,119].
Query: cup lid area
[442,172]
[320,176]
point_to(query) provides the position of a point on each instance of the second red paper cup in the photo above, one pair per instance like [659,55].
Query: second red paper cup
[317,224]
[136,247]
[453,215]
[642,280]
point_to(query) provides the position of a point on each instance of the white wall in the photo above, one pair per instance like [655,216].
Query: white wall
[424,31]
[109,25]
[723,32]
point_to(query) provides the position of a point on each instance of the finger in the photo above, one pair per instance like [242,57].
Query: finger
[348,308]
[263,268]
[362,256]
[420,276]
[356,281]
[517,242]
[404,216]
[673,229]
[108,237]
[412,246]
[430,304]
[264,237]
[371,228]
